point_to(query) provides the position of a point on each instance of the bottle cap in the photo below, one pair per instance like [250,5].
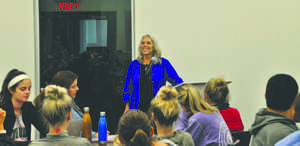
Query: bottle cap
[102,113]
[86,109]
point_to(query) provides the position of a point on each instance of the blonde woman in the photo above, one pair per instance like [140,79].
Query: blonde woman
[165,110]
[202,121]
[217,94]
[146,75]
[56,108]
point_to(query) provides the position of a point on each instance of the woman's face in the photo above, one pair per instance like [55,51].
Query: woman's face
[22,92]
[73,89]
[146,46]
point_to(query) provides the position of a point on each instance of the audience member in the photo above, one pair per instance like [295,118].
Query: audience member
[56,108]
[276,121]
[217,94]
[135,130]
[165,110]
[297,109]
[20,113]
[202,121]
[68,80]
[5,140]
[292,139]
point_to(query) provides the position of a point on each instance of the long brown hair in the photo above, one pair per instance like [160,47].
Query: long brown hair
[135,128]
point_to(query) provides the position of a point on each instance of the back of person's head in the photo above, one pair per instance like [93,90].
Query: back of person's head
[189,96]
[64,79]
[281,92]
[165,106]
[217,90]
[297,109]
[135,128]
[11,81]
[56,105]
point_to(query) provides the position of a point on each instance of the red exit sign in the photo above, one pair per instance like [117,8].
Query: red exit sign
[68,5]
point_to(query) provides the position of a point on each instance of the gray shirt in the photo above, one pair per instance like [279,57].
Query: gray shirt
[62,139]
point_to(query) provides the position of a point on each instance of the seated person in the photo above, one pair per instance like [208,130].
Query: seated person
[297,109]
[165,110]
[201,120]
[276,121]
[216,94]
[68,80]
[5,140]
[20,113]
[292,139]
[135,129]
[56,108]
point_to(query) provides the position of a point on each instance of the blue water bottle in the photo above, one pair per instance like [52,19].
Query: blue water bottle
[102,129]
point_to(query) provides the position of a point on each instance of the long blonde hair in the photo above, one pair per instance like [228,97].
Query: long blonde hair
[155,53]
[165,106]
[189,96]
[56,105]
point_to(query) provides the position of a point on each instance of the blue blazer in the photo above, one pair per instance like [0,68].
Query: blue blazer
[160,73]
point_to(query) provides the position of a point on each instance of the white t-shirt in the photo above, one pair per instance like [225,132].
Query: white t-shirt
[19,131]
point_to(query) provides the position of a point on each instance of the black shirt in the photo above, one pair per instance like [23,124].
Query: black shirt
[146,89]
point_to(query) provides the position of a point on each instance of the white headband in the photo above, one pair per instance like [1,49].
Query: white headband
[17,79]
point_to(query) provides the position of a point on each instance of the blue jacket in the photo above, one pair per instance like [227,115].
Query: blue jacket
[160,73]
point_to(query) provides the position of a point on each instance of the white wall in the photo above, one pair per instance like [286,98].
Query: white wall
[243,41]
[17,39]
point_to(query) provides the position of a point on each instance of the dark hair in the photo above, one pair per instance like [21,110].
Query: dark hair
[61,78]
[134,128]
[281,92]
[5,95]
[64,79]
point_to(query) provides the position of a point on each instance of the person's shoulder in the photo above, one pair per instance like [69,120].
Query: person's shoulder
[134,61]
[164,60]
[27,105]
[231,110]
[292,139]
[182,134]
[78,140]
[275,131]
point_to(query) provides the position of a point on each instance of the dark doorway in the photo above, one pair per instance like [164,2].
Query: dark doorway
[86,43]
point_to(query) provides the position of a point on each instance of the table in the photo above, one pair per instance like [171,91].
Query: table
[95,143]
[111,139]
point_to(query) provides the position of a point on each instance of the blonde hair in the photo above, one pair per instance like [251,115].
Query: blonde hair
[134,128]
[155,53]
[56,105]
[189,96]
[217,90]
[165,106]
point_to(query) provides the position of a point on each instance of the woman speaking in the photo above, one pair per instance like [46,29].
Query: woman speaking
[146,75]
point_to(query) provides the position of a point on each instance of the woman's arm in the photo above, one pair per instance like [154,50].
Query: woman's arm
[128,86]
[172,75]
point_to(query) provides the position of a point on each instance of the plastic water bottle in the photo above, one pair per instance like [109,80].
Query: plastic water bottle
[86,129]
[102,129]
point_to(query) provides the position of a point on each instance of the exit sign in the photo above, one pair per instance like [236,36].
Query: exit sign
[68,5]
